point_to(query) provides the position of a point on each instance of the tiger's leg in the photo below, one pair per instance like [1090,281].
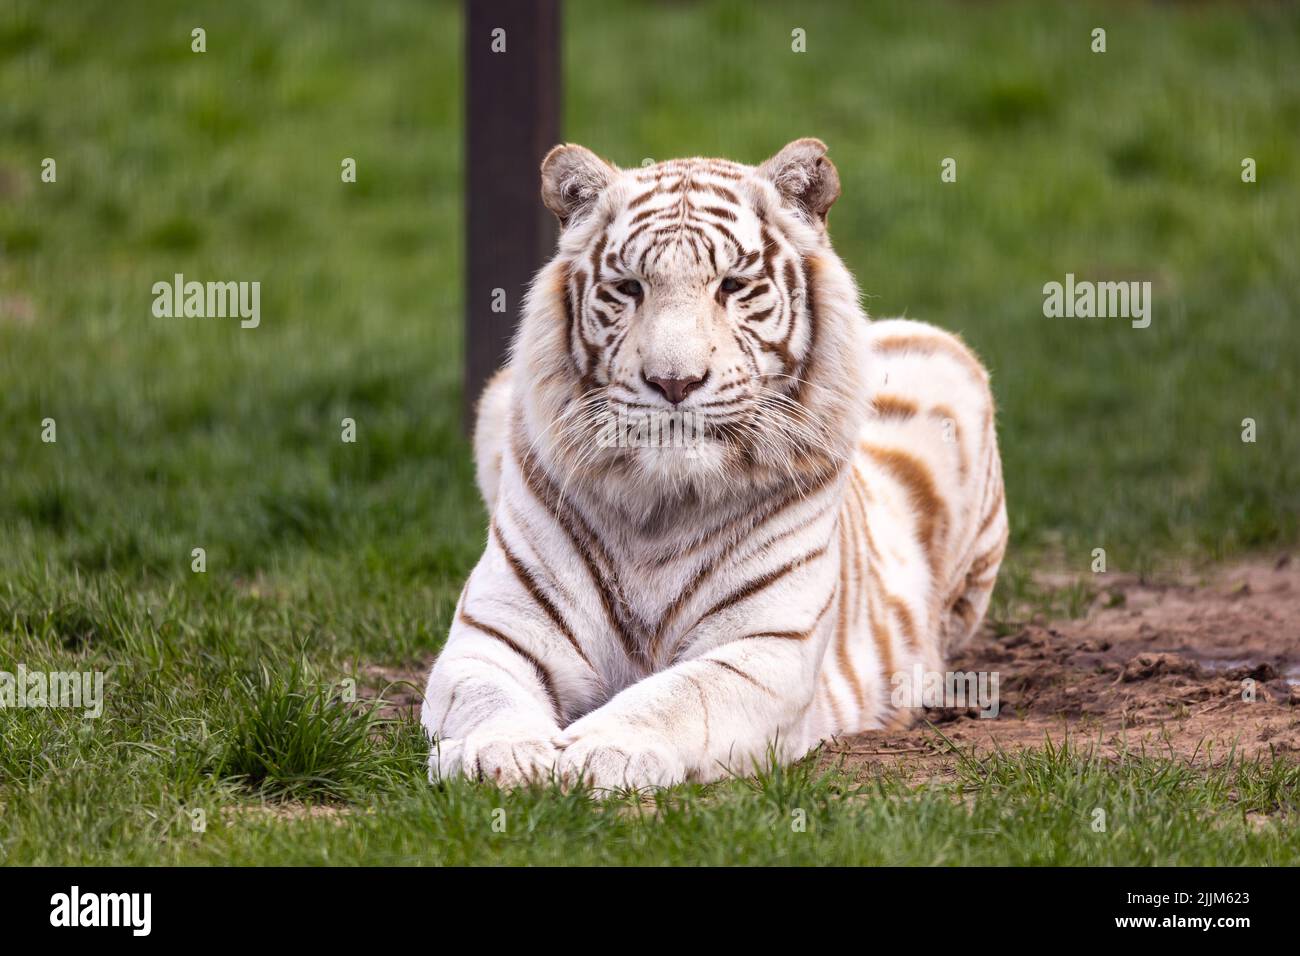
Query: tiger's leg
[740,690]
[513,671]
[701,719]
[489,706]
[977,568]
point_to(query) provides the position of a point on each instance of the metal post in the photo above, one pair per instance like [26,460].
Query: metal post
[512,117]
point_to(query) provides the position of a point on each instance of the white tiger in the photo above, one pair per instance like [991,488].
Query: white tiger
[651,612]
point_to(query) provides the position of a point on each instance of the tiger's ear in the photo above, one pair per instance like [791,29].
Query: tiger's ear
[572,178]
[805,178]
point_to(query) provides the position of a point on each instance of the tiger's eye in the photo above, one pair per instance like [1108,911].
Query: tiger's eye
[630,287]
[732,284]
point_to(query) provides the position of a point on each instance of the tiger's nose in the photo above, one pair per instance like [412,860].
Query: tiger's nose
[675,389]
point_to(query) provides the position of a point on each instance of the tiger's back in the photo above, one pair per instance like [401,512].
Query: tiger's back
[923,526]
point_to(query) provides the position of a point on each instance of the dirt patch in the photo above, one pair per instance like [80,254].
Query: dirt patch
[400,691]
[1166,667]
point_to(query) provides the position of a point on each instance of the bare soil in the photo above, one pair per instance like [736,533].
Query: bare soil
[1162,667]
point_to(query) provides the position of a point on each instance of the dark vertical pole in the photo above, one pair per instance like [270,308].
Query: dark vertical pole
[512,117]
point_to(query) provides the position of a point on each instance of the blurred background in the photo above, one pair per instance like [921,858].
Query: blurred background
[180,433]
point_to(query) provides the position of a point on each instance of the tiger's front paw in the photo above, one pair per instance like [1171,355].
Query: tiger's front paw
[609,756]
[507,756]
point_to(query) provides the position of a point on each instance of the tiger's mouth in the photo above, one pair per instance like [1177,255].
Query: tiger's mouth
[721,445]
[689,444]
[631,427]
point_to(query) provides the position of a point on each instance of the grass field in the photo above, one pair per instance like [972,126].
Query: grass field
[325,558]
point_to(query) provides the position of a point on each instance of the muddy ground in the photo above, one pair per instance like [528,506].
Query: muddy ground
[1156,665]
[1161,666]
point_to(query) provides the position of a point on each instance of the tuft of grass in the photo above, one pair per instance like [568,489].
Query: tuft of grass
[291,738]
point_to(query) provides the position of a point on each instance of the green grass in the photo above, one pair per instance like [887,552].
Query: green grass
[324,557]
[1031,808]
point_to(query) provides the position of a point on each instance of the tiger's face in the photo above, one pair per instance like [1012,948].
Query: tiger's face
[689,299]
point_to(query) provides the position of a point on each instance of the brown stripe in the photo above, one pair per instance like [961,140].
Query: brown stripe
[770,249]
[704,708]
[760,583]
[994,510]
[747,351]
[451,703]
[580,288]
[573,340]
[543,675]
[866,557]
[842,628]
[707,569]
[791,277]
[905,619]
[894,406]
[718,190]
[913,474]
[718,211]
[637,230]
[643,198]
[534,589]
[735,670]
[796,635]
[789,532]
[981,584]
[922,344]
[721,403]
[988,558]
[583,539]
[738,528]
[725,233]
[965,610]
[597,253]
[857,498]
[804,371]
[884,644]
[837,716]
[614,349]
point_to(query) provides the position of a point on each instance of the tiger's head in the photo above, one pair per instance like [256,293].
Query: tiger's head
[695,332]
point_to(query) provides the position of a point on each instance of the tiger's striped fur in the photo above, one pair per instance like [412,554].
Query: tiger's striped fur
[644,615]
